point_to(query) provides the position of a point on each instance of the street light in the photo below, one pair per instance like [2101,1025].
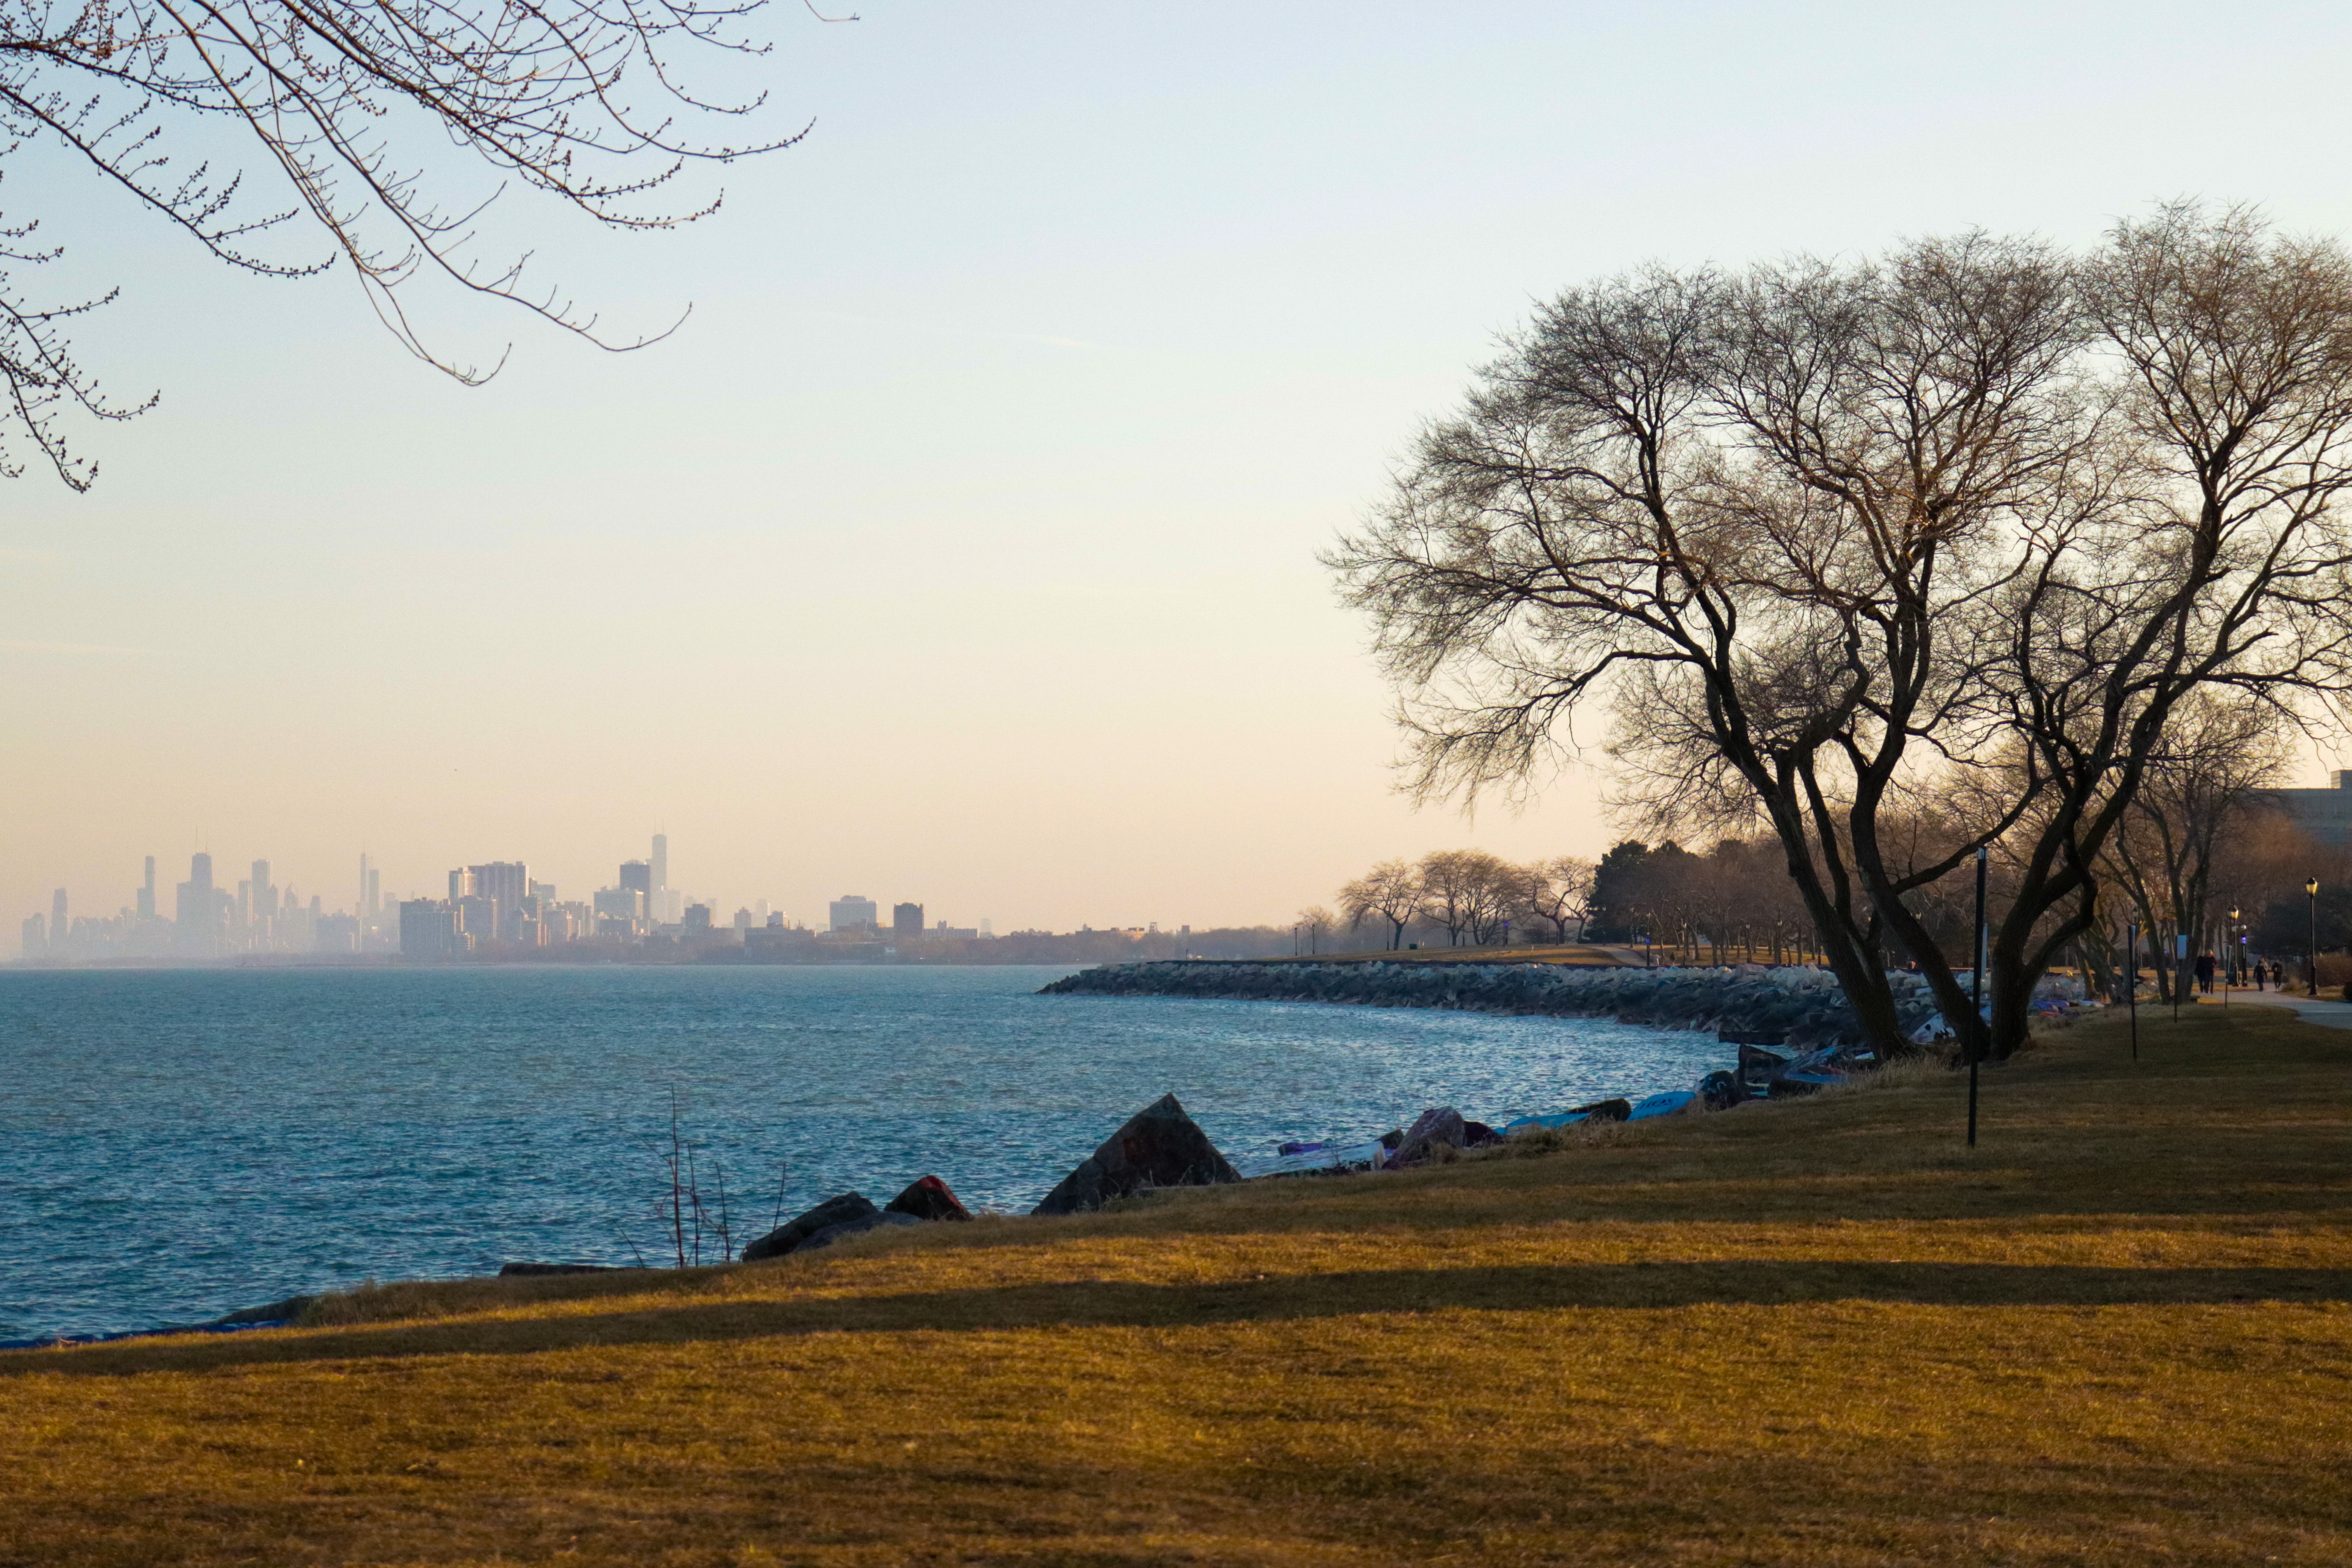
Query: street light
[2233,974]
[1976,991]
[2311,890]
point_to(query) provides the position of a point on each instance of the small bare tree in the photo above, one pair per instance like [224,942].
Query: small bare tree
[1555,894]
[1315,924]
[1389,892]
[2206,784]
[1469,892]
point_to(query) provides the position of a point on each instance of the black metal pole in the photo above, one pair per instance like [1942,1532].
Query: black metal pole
[2131,984]
[2312,888]
[1976,996]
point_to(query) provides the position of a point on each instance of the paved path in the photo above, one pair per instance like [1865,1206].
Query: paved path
[2332,1011]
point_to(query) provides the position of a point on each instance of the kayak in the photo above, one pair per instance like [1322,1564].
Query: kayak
[1599,1111]
[1673,1102]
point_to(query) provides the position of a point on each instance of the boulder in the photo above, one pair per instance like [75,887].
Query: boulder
[928,1197]
[877,1220]
[1442,1125]
[1159,1147]
[794,1232]
[1477,1135]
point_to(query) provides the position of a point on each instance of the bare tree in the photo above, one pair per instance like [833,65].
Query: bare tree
[2205,786]
[1554,894]
[342,103]
[1831,543]
[1389,892]
[1469,893]
[1315,922]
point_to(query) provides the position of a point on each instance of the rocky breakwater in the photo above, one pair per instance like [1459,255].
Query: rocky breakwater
[1802,1006]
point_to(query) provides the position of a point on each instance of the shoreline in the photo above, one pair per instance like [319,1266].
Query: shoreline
[1803,1007]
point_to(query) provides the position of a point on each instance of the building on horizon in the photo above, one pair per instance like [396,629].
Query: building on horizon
[851,913]
[429,930]
[906,920]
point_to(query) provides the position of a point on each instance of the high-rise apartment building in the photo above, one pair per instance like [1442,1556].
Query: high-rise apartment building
[907,919]
[429,930]
[58,921]
[506,882]
[850,912]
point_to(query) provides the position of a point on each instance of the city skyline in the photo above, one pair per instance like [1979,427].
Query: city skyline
[488,901]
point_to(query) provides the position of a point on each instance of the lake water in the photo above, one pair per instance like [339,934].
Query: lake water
[176,1144]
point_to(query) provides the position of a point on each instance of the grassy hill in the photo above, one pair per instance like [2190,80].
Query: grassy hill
[1813,1334]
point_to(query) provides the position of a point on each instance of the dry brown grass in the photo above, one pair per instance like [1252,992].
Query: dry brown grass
[1815,1333]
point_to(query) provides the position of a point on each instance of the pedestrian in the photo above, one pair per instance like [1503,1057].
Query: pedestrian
[2205,973]
[2260,975]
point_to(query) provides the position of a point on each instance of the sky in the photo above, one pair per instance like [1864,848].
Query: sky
[961,546]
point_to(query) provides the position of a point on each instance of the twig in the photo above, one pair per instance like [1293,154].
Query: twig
[676,1208]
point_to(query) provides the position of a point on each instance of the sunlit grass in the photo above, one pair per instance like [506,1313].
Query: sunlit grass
[1818,1332]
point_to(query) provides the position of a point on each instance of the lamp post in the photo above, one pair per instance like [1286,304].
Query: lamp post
[2311,891]
[1976,994]
[2230,973]
[2131,981]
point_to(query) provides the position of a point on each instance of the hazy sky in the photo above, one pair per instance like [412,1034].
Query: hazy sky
[960,547]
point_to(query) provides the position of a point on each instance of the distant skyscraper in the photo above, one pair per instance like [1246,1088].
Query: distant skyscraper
[907,919]
[461,884]
[195,911]
[850,912]
[429,930]
[508,881]
[503,884]
[265,896]
[637,875]
[147,893]
[58,912]
[660,863]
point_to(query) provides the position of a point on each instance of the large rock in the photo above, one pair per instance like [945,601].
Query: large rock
[794,1232]
[928,1197]
[1441,1125]
[1160,1147]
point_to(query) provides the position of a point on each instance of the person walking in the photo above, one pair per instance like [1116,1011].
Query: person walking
[2205,973]
[2260,974]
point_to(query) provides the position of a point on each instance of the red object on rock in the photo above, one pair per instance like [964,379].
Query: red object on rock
[928,1197]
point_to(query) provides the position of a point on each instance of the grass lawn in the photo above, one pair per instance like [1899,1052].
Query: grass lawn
[1813,1334]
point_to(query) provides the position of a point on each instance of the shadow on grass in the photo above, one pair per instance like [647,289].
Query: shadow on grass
[1124,1304]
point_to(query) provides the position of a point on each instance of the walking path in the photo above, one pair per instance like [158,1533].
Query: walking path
[2332,1011]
